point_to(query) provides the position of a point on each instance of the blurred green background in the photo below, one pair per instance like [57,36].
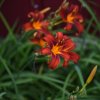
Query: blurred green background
[25,77]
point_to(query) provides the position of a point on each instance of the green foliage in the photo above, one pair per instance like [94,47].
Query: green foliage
[25,77]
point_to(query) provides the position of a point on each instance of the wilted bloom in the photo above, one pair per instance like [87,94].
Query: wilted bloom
[37,21]
[71,16]
[59,46]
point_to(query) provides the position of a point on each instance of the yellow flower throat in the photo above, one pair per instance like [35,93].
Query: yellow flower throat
[56,49]
[37,25]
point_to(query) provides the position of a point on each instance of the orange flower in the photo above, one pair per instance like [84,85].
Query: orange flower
[37,22]
[71,16]
[59,46]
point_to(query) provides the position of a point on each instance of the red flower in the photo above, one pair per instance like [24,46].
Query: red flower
[71,16]
[38,39]
[59,46]
[37,22]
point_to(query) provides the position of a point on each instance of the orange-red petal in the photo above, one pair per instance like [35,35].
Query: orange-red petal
[74,56]
[45,51]
[68,27]
[35,41]
[28,26]
[36,15]
[65,55]
[79,27]
[69,45]
[54,62]
[49,39]
[65,63]
[59,36]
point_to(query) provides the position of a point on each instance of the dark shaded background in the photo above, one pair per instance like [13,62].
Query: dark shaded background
[18,9]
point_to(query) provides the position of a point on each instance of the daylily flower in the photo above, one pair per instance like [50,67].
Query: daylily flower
[37,22]
[59,46]
[70,15]
[38,39]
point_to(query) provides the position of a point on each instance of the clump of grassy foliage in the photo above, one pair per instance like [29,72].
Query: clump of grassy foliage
[24,77]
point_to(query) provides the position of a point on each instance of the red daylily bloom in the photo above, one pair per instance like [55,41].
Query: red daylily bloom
[38,39]
[71,16]
[37,22]
[59,46]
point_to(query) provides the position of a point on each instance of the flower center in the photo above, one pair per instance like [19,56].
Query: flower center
[70,18]
[56,49]
[42,43]
[37,25]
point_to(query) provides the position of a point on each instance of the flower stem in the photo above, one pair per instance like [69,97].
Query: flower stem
[59,22]
[84,86]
